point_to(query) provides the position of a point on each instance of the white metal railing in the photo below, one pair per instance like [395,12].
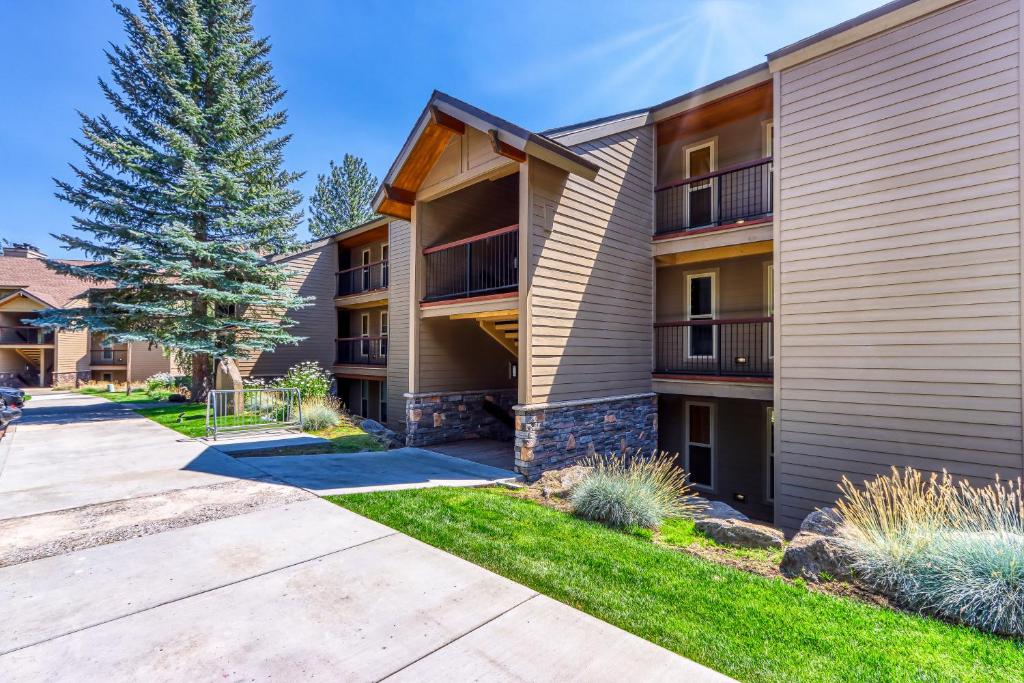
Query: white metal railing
[249,410]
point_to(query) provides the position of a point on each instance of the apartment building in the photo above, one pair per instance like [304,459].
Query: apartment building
[34,356]
[805,271]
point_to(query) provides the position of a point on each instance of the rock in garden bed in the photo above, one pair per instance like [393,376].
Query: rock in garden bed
[816,553]
[740,533]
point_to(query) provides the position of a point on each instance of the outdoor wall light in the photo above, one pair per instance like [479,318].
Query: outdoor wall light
[739,497]
[741,360]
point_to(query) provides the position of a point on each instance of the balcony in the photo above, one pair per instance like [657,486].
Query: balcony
[21,335]
[730,196]
[368,278]
[372,351]
[721,348]
[108,357]
[475,266]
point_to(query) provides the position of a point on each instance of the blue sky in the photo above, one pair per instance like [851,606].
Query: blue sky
[359,72]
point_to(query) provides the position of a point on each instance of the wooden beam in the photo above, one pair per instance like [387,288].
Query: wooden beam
[504,149]
[510,314]
[395,209]
[397,194]
[446,121]
[715,253]
[498,336]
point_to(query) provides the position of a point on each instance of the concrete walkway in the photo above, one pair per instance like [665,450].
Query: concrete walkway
[288,589]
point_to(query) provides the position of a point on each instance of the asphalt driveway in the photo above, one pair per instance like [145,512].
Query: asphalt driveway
[261,583]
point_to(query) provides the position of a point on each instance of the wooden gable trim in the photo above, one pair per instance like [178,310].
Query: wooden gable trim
[504,149]
[446,121]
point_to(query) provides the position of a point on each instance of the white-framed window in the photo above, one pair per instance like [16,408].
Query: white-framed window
[769,454]
[700,444]
[384,401]
[769,307]
[366,269]
[364,397]
[384,265]
[383,333]
[699,160]
[364,332]
[701,304]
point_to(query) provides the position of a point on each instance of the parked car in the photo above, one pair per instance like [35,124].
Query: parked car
[8,413]
[13,396]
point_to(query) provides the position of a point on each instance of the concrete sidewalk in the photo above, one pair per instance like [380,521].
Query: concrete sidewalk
[286,590]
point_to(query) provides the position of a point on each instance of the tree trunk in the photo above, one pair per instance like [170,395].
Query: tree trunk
[201,379]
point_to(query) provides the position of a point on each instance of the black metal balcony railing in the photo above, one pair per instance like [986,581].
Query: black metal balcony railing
[360,279]
[738,348]
[483,264]
[108,357]
[738,193]
[361,351]
[25,335]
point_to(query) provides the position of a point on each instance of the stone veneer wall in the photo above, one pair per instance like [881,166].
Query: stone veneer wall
[433,418]
[554,435]
[71,379]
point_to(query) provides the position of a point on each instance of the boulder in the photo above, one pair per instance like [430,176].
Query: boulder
[818,549]
[825,521]
[559,483]
[740,533]
[814,557]
[374,428]
[716,509]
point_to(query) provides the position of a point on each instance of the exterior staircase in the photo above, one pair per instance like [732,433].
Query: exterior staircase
[501,326]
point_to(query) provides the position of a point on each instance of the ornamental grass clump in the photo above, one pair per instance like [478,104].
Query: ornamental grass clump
[633,491]
[320,413]
[941,547]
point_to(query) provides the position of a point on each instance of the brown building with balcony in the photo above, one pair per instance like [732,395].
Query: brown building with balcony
[808,270]
[34,356]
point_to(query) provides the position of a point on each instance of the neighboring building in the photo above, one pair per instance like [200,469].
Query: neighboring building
[33,356]
[353,327]
[808,270]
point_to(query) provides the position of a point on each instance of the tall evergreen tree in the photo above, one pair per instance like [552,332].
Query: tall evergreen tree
[183,196]
[342,198]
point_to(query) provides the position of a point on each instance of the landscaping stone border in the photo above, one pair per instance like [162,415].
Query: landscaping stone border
[442,417]
[555,435]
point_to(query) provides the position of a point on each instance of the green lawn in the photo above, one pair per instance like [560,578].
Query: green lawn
[190,419]
[137,395]
[746,626]
[185,418]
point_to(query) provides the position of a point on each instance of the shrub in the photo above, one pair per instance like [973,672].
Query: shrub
[320,413]
[161,380]
[309,378]
[633,491]
[940,547]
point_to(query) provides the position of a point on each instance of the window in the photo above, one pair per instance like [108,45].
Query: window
[700,161]
[769,449]
[384,401]
[366,270]
[364,332]
[384,265]
[108,377]
[700,444]
[364,397]
[383,333]
[701,304]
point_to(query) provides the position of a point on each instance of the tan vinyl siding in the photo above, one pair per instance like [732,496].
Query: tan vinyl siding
[146,361]
[590,300]
[398,321]
[72,352]
[900,256]
[456,355]
[313,275]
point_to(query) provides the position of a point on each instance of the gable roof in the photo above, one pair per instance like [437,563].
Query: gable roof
[444,117]
[33,277]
